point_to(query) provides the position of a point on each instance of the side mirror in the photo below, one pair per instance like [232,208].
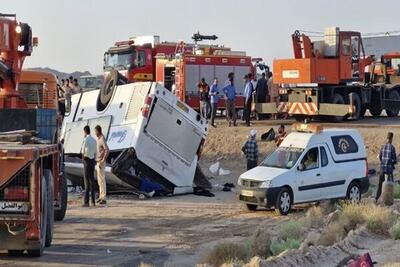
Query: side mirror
[301,167]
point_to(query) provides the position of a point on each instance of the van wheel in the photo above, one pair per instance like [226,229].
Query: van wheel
[353,193]
[251,207]
[283,202]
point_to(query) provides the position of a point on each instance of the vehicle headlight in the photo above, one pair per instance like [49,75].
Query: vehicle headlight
[239,182]
[266,184]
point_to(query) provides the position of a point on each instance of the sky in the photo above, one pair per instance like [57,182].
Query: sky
[74,34]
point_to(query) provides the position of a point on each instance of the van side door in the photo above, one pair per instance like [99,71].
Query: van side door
[330,174]
[308,176]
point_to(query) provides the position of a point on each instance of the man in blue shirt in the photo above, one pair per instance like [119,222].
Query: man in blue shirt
[388,159]
[230,97]
[248,94]
[214,100]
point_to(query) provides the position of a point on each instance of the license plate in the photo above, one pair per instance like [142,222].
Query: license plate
[13,207]
[247,193]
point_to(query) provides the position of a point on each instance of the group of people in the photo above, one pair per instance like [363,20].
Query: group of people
[94,154]
[69,86]
[261,91]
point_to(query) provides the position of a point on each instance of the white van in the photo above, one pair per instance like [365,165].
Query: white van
[149,131]
[311,164]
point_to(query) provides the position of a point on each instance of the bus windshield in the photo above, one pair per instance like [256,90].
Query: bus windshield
[118,61]
[283,158]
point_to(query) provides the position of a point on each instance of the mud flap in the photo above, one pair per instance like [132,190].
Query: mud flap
[266,108]
[335,109]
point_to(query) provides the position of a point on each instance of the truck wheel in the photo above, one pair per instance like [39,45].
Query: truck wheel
[357,104]
[251,207]
[353,193]
[43,225]
[283,202]
[337,99]
[60,213]
[393,112]
[50,207]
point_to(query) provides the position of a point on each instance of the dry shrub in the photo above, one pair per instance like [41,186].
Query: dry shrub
[397,191]
[379,219]
[352,215]
[142,264]
[395,230]
[290,230]
[279,247]
[260,242]
[314,218]
[225,253]
[334,232]
[234,263]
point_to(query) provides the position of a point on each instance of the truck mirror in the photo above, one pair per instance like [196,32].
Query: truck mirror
[301,167]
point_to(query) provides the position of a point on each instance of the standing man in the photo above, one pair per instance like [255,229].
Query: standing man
[250,149]
[262,89]
[88,156]
[76,87]
[101,156]
[67,95]
[230,97]
[248,94]
[214,100]
[273,90]
[387,157]
[204,95]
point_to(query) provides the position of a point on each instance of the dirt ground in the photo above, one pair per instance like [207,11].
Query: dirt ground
[179,230]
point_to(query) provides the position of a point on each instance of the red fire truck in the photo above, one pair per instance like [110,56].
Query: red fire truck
[179,65]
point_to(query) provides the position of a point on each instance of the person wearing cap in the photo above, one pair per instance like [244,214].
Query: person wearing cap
[248,94]
[250,149]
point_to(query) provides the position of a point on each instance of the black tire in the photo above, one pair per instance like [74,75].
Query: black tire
[353,193]
[251,207]
[15,253]
[357,104]
[375,107]
[363,111]
[283,202]
[337,99]
[393,112]
[106,92]
[50,207]
[59,214]
[43,228]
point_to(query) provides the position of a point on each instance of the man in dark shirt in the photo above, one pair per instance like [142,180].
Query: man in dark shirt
[204,97]
[250,149]
[388,159]
[262,89]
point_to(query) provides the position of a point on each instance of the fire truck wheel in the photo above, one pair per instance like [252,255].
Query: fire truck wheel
[394,111]
[50,207]
[60,213]
[357,104]
[43,225]
[337,99]
[113,79]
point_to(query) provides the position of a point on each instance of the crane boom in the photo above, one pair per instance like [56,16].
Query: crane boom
[15,44]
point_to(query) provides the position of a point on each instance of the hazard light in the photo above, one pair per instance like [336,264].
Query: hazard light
[146,106]
[307,128]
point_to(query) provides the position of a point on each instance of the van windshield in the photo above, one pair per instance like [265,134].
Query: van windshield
[283,158]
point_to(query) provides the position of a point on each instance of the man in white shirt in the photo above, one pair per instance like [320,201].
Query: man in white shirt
[88,151]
